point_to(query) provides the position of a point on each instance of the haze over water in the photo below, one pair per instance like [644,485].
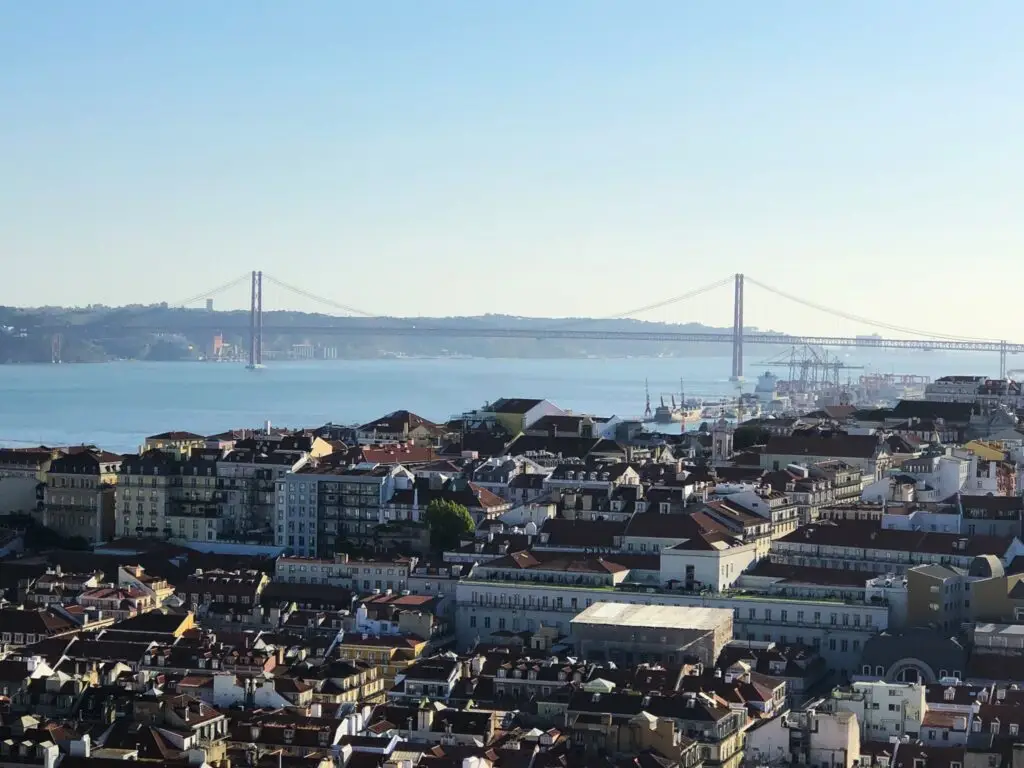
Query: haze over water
[116,405]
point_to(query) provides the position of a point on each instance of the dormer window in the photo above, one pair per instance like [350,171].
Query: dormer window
[994,726]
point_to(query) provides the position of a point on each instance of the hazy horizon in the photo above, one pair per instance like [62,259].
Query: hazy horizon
[571,159]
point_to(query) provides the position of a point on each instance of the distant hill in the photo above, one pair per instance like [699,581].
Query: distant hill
[94,334]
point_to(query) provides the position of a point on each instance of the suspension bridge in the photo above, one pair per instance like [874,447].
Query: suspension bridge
[255,328]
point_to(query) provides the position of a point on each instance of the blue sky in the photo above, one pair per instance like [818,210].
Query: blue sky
[536,158]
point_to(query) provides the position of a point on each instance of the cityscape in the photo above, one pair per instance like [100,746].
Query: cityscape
[459,384]
[809,572]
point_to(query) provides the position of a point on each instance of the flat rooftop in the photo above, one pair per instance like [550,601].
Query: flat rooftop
[654,616]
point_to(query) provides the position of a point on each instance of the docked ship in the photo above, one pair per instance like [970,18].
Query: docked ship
[672,412]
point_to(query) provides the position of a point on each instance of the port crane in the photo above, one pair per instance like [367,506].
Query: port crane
[811,368]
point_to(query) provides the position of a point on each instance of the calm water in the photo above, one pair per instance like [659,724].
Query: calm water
[115,405]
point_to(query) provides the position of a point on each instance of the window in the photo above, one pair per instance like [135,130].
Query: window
[472,621]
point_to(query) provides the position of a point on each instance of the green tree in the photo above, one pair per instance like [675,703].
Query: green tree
[447,521]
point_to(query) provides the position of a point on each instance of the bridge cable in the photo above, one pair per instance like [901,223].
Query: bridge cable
[210,293]
[213,291]
[320,299]
[648,307]
[864,320]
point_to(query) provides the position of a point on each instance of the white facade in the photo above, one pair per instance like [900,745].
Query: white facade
[298,500]
[227,693]
[945,476]
[837,629]
[892,589]
[953,389]
[884,709]
[536,513]
[826,739]
[718,568]
[922,520]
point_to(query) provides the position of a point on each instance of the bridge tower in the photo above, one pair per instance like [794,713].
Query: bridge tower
[256,321]
[737,329]
[56,345]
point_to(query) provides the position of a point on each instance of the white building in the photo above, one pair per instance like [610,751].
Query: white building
[321,506]
[936,477]
[884,710]
[890,589]
[706,560]
[810,737]
[490,602]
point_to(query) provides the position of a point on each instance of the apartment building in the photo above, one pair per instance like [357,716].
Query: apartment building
[176,443]
[170,495]
[194,510]
[884,710]
[78,499]
[248,478]
[776,506]
[400,427]
[864,546]
[991,515]
[324,504]
[22,476]
[868,453]
[812,736]
[359,575]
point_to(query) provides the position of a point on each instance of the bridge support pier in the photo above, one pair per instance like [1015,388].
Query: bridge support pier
[256,321]
[1002,359]
[737,329]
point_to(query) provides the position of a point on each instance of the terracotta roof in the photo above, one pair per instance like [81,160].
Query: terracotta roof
[866,534]
[557,561]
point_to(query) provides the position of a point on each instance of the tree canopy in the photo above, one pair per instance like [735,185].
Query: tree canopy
[447,521]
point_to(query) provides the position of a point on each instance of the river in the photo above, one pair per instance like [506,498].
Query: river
[116,405]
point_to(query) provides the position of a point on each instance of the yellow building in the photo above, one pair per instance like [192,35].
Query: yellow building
[178,443]
[78,499]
